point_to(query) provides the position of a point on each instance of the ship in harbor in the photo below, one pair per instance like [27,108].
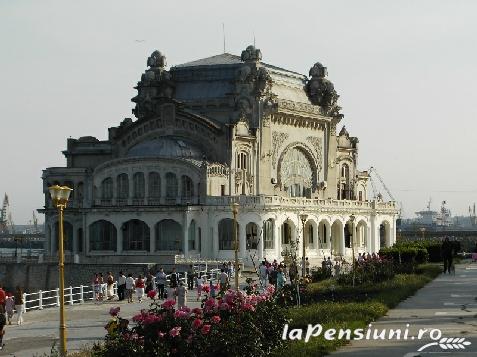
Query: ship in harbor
[438,219]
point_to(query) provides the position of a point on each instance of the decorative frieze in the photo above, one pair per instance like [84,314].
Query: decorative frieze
[278,139]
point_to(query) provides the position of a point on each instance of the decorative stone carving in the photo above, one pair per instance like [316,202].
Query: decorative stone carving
[252,84]
[322,92]
[251,54]
[317,146]
[155,85]
[344,132]
[277,141]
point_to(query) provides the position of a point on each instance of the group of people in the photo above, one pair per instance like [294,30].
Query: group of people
[275,273]
[10,304]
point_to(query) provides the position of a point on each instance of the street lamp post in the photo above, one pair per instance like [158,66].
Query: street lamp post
[352,218]
[303,218]
[235,207]
[59,196]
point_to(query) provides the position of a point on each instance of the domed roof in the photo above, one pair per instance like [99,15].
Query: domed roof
[166,147]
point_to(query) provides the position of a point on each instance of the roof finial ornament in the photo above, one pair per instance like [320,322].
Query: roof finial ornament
[251,54]
[157,60]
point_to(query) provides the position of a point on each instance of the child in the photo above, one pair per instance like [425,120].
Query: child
[130,287]
[140,288]
[9,306]
[181,295]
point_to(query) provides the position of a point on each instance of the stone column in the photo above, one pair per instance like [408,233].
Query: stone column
[146,187]
[242,238]
[119,239]
[342,240]
[75,240]
[152,238]
[316,238]
[185,243]
[261,234]
[328,236]
[214,234]
[373,238]
[131,187]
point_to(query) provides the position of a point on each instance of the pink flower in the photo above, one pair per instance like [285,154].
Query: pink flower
[181,314]
[224,306]
[248,307]
[197,311]
[215,319]
[168,304]
[175,331]
[206,289]
[161,334]
[197,323]
[114,311]
[205,329]
[151,294]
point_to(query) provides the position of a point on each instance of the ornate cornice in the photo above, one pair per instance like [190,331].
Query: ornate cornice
[297,121]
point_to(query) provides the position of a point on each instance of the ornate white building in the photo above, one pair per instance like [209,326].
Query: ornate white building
[208,133]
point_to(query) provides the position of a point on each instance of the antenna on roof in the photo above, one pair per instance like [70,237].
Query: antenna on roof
[254,39]
[223,32]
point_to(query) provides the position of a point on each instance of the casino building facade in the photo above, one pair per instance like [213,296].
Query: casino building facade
[209,133]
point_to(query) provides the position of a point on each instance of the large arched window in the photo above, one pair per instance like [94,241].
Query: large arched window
[139,185]
[135,235]
[191,235]
[107,189]
[187,187]
[154,185]
[102,236]
[123,186]
[251,234]
[171,185]
[268,238]
[169,235]
[67,235]
[296,173]
[226,234]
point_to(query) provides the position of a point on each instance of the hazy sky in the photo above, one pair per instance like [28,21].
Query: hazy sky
[406,72]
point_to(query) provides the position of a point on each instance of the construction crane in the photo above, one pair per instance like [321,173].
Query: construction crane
[378,195]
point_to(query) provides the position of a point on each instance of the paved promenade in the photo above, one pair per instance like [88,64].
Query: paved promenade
[448,303]
[85,326]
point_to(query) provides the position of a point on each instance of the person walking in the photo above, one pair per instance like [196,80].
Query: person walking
[280,278]
[224,280]
[161,282]
[149,282]
[121,286]
[263,272]
[446,250]
[181,295]
[101,287]
[173,282]
[190,278]
[19,305]
[130,283]
[110,286]
[201,282]
[3,322]
[9,307]
[139,288]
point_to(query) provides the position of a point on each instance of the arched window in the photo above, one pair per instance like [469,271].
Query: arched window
[187,187]
[123,186]
[154,185]
[226,234]
[107,189]
[191,235]
[268,234]
[242,160]
[169,235]
[102,236]
[135,235]
[171,185]
[296,173]
[286,233]
[139,185]
[251,234]
[67,235]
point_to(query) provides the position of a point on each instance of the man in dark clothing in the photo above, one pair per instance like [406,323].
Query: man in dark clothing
[190,278]
[446,250]
[173,279]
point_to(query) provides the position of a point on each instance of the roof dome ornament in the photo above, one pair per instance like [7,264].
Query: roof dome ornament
[157,59]
[155,85]
[251,54]
[321,91]
[343,131]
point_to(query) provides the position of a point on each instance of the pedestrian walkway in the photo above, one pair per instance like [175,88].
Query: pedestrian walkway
[448,303]
[85,326]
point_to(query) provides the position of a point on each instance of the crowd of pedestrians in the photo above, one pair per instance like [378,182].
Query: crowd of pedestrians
[9,305]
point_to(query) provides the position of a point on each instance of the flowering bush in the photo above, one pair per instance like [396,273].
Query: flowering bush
[233,325]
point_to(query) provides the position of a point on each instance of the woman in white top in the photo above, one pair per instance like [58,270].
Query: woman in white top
[130,287]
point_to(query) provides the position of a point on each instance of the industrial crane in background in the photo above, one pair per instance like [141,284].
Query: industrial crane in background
[377,195]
